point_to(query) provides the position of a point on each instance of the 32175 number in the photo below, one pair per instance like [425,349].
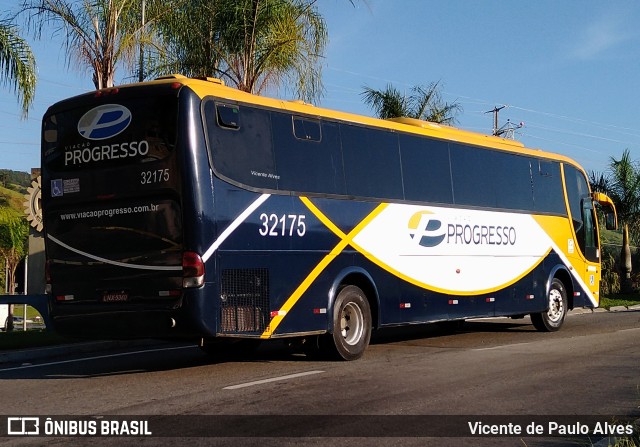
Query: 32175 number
[156,176]
[282,225]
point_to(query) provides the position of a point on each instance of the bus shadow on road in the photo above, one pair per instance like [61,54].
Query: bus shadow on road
[160,357]
[451,329]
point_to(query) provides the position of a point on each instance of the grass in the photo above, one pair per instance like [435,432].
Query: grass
[18,311]
[12,199]
[610,301]
[608,237]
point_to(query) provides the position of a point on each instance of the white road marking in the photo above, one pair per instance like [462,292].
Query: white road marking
[273,379]
[502,346]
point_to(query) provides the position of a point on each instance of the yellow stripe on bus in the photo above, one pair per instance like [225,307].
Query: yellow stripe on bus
[401,275]
[346,239]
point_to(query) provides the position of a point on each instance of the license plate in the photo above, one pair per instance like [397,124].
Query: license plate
[115,297]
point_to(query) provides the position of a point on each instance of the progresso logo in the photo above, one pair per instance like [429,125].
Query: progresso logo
[428,231]
[104,122]
[425,230]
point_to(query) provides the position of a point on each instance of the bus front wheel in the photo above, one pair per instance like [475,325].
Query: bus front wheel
[551,320]
[351,324]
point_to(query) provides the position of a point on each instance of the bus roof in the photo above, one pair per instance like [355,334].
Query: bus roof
[215,87]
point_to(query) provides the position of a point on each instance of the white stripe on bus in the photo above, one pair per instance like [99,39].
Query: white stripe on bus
[235,224]
[117,263]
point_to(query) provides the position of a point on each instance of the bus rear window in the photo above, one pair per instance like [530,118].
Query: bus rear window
[123,132]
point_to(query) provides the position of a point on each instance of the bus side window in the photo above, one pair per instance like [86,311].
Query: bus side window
[228,116]
[307,165]
[548,196]
[473,176]
[244,156]
[305,129]
[512,181]
[426,170]
[371,162]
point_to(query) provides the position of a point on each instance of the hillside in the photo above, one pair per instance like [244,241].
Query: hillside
[13,187]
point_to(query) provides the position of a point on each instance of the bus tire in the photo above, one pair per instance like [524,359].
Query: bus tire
[551,320]
[351,324]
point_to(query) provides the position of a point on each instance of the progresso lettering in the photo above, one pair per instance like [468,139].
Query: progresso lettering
[106,152]
[480,234]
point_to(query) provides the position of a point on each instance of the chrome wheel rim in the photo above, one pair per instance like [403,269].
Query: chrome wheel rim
[351,324]
[556,306]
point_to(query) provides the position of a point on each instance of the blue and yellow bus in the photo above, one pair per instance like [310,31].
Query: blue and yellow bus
[182,208]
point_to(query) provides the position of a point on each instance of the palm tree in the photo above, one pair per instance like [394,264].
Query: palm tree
[251,44]
[17,65]
[14,234]
[599,182]
[192,50]
[424,103]
[271,41]
[625,191]
[98,34]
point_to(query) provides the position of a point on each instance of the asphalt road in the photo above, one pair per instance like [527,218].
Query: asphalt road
[417,381]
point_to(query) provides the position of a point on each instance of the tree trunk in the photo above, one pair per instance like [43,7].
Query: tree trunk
[626,286]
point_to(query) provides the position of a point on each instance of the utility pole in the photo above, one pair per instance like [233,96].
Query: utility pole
[506,131]
[141,71]
[495,111]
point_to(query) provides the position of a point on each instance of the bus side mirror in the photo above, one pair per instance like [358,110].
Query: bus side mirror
[609,209]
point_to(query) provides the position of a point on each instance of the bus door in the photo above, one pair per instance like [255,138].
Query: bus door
[584,251]
[591,273]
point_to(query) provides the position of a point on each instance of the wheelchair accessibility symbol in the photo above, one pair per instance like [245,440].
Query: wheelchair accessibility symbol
[57,190]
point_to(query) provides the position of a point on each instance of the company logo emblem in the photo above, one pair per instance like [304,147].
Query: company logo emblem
[425,230]
[104,122]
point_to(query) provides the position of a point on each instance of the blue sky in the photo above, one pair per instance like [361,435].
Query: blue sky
[568,69]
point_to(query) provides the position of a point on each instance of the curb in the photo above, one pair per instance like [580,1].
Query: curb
[588,310]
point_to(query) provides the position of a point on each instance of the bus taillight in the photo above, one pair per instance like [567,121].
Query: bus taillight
[192,269]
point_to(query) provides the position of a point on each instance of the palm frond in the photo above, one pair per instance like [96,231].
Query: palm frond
[17,65]
[388,103]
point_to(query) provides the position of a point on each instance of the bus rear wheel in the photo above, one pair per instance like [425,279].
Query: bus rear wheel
[551,320]
[351,324]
